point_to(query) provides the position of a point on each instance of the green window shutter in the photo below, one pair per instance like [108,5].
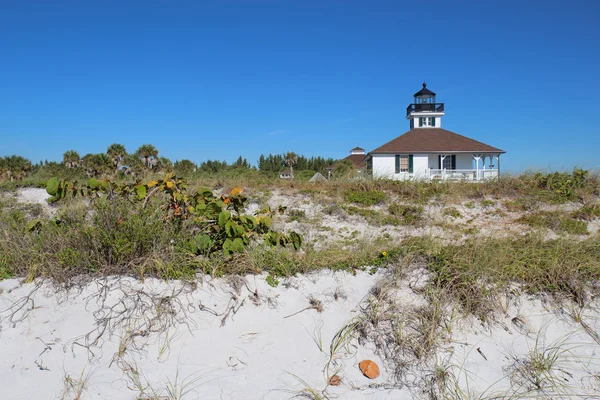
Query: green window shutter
[410,163]
[420,121]
[397,164]
[432,121]
[453,161]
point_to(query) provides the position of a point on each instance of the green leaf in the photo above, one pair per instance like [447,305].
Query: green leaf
[224,216]
[34,225]
[266,221]
[237,245]
[141,191]
[205,192]
[227,247]
[93,183]
[230,228]
[203,242]
[250,222]
[296,240]
[212,210]
[272,238]
[239,230]
[52,186]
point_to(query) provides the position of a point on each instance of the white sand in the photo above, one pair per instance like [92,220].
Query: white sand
[255,354]
[251,357]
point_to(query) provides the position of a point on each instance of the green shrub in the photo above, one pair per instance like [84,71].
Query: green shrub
[562,185]
[557,221]
[364,197]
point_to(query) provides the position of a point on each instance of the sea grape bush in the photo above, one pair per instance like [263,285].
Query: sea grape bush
[564,184]
[217,222]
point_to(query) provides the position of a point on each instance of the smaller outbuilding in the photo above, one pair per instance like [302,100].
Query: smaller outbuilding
[286,174]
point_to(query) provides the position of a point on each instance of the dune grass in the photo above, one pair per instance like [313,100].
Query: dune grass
[116,236]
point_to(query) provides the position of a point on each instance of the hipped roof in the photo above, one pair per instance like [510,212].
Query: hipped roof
[434,140]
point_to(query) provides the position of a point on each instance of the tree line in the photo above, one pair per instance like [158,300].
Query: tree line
[117,160]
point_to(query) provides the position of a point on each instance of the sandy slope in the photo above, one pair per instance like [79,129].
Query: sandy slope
[119,338]
[252,356]
[229,339]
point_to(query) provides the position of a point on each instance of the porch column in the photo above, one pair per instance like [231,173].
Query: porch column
[442,157]
[498,164]
[477,157]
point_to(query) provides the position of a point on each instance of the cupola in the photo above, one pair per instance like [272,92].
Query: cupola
[425,112]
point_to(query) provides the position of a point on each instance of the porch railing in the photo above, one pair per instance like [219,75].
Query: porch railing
[462,174]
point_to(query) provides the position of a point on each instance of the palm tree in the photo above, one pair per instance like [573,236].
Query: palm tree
[290,160]
[117,154]
[132,165]
[96,165]
[71,159]
[15,167]
[149,154]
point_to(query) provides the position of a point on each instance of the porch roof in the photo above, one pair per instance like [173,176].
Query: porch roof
[434,140]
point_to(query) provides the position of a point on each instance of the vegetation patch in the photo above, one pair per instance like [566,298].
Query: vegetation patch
[588,212]
[157,228]
[521,204]
[374,217]
[410,215]
[451,212]
[556,221]
[296,215]
[562,186]
[364,197]
[476,271]
[487,203]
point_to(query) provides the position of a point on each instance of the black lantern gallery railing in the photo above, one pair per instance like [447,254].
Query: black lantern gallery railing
[425,107]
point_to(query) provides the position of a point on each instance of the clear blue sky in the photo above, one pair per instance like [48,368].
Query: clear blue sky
[216,79]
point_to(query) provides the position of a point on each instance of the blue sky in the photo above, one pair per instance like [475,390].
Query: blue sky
[216,79]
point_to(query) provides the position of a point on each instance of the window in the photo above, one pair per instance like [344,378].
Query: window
[449,162]
[426,121]
[404,163]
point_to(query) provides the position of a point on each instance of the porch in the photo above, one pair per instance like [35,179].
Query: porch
[459,167]
[461,174]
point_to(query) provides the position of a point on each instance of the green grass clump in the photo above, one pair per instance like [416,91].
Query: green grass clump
[374,217]
[296,215]
[487,203]
[451,212]
[410,215]
[364,197]
[476,271]
[588,212]
[556,221]
[521,204]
